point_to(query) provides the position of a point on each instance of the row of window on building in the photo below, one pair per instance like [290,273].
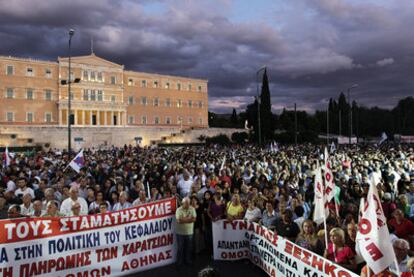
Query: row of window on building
[167,120]
[97,76]
[144,101]
[167,85]
[30,117]
[30,72]
[30,94]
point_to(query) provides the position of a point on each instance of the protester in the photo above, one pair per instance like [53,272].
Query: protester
[234,182]
[234,208]
[308,239]
[338,252]
[186,216]
[66,207]
[253,213]
[123,203]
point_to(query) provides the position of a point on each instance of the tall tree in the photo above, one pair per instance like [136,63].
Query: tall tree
[234,119]
[266,109]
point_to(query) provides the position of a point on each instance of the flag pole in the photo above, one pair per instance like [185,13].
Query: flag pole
[396,266]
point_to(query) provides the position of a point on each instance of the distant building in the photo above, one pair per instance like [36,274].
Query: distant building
[31,94]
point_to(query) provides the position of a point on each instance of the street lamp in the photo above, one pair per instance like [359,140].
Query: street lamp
[350,110]
[71,33]
[258,105]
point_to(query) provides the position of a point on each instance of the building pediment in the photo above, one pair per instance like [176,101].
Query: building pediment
[91,60]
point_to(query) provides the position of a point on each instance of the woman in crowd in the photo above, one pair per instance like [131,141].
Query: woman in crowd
[94,206]
[234,208]
[308,239]
[338,252]
[253,213]
[217,208]
[198,225]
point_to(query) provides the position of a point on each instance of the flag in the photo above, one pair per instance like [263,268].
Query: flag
[383,138]
[332,148]
[321,208]
[373,239]
[78,162]
[329,179]
[6,158]
[222,164]
[275,147]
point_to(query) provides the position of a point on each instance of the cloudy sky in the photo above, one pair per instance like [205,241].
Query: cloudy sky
[313,49]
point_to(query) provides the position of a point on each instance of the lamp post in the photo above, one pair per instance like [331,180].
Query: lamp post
[327,124]
[350,111]
[258,106]
[296,127]
[71,33]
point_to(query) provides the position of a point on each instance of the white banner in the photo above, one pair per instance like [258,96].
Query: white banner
[274,254]
[345,140]
[110,244]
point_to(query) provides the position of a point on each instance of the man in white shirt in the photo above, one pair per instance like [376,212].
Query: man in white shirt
[23,188]
[27,207]
[184,185]
[66,207]
[123,203]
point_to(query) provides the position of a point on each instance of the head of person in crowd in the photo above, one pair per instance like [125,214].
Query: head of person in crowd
[14,211]
[114,197]
[410,265]
[337,237]
[103,207]
[185,203]
[401,249]
[235,200]
[27,200]
[123,197]
[287,217]
[269,207]
[208,272]
[51,208]
[76,208]
[351,230]
[74,193]
[37,208]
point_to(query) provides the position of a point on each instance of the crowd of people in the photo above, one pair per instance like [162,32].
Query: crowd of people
[272,188]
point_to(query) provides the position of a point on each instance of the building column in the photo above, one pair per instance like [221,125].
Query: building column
[124,117]
[83,117]
[60,116]
[106,118]
[112,118]
[90,118]
[98,117]
[67,116]
[118,118]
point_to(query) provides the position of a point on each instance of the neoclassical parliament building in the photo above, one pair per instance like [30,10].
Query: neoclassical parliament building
[109,104]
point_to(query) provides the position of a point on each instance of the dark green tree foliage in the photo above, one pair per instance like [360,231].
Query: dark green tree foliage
[266,115]
[234,119]
[251,115]
[239,137]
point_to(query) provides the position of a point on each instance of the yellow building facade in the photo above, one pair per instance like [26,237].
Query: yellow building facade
[32,93]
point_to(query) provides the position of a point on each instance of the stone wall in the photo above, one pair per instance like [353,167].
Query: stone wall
[56,136]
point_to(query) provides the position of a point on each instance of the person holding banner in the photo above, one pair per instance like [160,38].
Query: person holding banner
[234,208]
[186,216]
[338,252]
[308,239]
[66,207]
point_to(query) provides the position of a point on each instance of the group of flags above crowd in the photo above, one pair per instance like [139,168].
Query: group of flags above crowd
[76,164]
[373,241]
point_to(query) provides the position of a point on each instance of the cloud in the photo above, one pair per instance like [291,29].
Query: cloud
[385,62]
[313,49]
